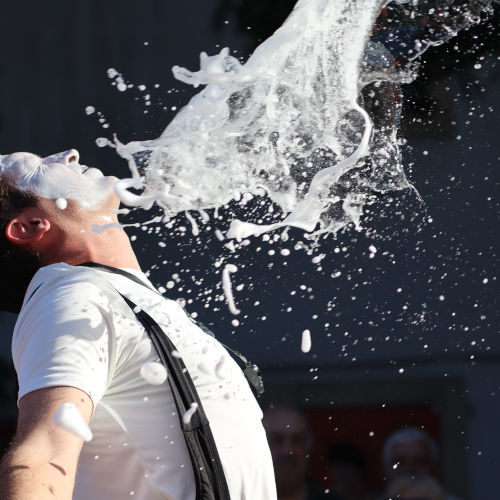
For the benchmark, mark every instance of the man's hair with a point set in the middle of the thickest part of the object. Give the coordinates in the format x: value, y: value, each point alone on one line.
x: 409, y: 434
x: 17, y: 264
x: 12, y: 202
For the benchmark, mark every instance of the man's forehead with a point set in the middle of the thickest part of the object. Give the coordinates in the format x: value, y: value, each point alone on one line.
x: 30, y: 160
x: 18, y: 160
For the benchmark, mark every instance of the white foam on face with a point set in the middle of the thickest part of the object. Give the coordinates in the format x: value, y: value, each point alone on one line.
x: 62, y: 203
x: 226, y: 286
x: 153, y: 373
x: 59, y: 176
x: 186, y: 418
x: 70, y: 419
x: 306, y: 343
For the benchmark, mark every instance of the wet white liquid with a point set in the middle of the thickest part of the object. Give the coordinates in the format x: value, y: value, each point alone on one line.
x: 153, y: 373
x: 69, y: 418
x: 226, y: 286
x: 273, y: 125
x: 289, y: 122
x: 186, y: 418
x: 306, y: 343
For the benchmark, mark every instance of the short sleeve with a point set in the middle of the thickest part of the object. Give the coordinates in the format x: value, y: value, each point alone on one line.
x: 62, y: 338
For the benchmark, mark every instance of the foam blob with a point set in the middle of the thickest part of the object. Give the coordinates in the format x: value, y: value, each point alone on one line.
x: 62, y: 203
x: 70, y: 419
x: 186, y: 418
x: 226, y: 286
x: 153, y: 373
x: 305, y: 344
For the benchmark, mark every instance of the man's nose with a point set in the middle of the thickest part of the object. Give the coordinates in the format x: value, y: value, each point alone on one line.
x: 65, y: 157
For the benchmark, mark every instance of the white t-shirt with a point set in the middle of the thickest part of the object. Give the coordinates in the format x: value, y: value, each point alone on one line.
x: 77, y: 331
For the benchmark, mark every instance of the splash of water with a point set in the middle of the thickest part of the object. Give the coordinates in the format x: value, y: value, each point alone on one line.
x: 310, y: 119
x: 68, y: 417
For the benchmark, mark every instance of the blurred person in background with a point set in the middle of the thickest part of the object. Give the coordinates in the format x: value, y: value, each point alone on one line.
x: 290, y: 440
x: 411, y: 451
x: 347, y: 472
x: 415, y: 488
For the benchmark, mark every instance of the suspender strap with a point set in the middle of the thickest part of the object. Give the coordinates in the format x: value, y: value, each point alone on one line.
x: 207, y: 467
x: 209, y: 475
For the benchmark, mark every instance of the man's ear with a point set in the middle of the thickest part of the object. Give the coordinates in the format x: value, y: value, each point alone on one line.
x: 25, y: 229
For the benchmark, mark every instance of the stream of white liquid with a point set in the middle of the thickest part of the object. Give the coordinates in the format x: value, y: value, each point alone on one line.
x: 276, y: 124
x: 290, y: 122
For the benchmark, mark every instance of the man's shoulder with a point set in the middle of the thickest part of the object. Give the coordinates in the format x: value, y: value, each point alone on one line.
x: 60, y: 281
x: 58, y: 272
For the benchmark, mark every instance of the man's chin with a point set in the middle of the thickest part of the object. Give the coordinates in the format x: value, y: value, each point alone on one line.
x: 101, y: 195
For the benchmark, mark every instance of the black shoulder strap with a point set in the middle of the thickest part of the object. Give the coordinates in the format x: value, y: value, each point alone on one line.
x: 116, y: 270
x: 207, y: 467
x: 209, y: 475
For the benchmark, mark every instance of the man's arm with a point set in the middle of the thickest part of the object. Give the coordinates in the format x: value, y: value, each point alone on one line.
x: 41, y: 463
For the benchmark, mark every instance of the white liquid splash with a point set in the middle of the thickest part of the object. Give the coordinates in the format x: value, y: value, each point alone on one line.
x: 272, y: 125
x: 290, y: 122
x: 59, y: 177
x: 226, y: 286
x: 306, y: 343
x: 186, y: 418
x: 153, y: 373
x: 70, y: 419
x: 62, y: 203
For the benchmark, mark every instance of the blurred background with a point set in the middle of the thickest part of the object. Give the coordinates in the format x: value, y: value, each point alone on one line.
x: 405, y: 338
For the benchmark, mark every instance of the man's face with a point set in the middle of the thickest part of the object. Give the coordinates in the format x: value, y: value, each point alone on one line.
x: 288, y: 440
x: 410, y: 458
x: 58, y: 176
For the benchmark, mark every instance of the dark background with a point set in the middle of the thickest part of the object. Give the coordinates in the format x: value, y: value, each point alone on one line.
x: 413, y: 329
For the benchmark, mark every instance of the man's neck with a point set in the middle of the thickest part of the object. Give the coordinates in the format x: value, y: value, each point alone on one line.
x: 110, y: 247
x: 112, y: 250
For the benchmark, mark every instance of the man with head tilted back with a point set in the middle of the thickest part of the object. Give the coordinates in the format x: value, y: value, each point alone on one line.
x: 78, y: 343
